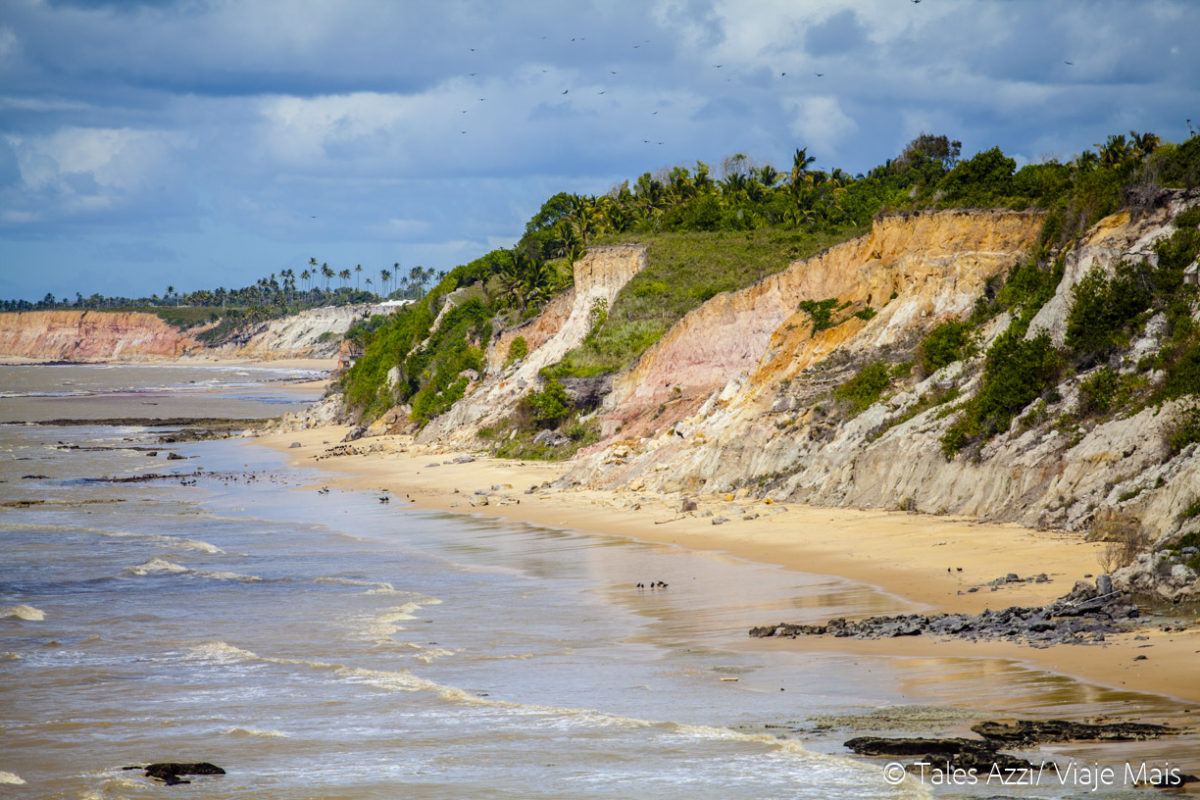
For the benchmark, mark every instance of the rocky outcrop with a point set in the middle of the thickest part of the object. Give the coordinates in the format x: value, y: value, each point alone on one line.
x: 1082, y: 616
x: 598, y: 277
x: 90, y: 336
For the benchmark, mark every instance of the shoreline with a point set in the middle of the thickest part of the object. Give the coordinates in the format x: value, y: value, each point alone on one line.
x: 929, y: 561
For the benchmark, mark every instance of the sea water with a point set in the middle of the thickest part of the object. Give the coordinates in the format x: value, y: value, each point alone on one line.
x: 323, y: 644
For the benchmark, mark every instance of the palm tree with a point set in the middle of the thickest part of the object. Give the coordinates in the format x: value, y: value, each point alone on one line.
x: 328, y: 273
x: 800, y: 161
x: 344, y: 276
x: 385, y: 275
x: 357, y: 275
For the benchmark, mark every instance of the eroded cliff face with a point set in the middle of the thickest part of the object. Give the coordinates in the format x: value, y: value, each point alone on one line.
x: 90, y: 336
x: 132, y: 336
x: 754, y: 383
x: 913, y: 271
x: 560, y: 327
x: 313, y: 333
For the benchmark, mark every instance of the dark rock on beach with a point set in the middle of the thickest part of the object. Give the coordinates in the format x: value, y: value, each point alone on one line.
x: 1026, y: 733
x: 1082, y: 616
x: 985, y: 754
x: 169, y: 772
x: 976, y: 754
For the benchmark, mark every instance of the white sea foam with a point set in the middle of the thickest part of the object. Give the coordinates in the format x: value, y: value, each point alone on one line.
x: 28, y: 613
x: 11, y: 778
x: 174, y: 542
x: 835, y: 769
x: 256, y: 732
x: 228, y: 576
x: 375, y: 587
x: 157, y: 565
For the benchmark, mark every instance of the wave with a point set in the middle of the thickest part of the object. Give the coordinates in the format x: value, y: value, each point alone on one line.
x: 28, y: 613
x: 375, y: 587
x: 11, y: 779
x: 157, y: 565
x: 818, y: 768
x: 380, y: 628
x: 245, y: 733
x: 175, y: 542
x: 161, y: 566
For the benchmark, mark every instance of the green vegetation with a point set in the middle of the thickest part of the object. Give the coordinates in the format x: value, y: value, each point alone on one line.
x: 1104, y: 311
x: 1098, y: 392
x: 1186, y: 430
x: 945, y: 344
x: 709, y: 231
x: 682, y: 271
x: 820, y: 311
x: 1016, y: 372
x: 865, y: 388
x: 549, y: 406
x: 518, y: 349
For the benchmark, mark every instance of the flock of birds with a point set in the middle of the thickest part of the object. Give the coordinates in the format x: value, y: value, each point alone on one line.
x: 567, y: 91
x: 564, y: 92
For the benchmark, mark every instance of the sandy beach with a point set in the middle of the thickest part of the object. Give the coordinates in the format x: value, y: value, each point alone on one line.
x: 928, y: 560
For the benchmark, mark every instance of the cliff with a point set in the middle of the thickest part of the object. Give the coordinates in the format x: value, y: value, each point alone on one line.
x: 90, y: 336
x: 561, y: 326
x: 84, y: 336
x: 753, y: 404
x: 739, y: 394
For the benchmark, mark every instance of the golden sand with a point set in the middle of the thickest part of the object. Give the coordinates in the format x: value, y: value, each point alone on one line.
x: 927, y: 559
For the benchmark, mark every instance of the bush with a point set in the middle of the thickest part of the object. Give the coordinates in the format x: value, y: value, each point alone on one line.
x: 979, y: 181
x: 517, y: 350
x: 865, y: 388
x: 820, y: 311
x: 945, y: 344
x: 1016, y: 371
x: 1104, y: 310
x: 1097, y: 392
x: 1185, y: 431
x: 550, y: 406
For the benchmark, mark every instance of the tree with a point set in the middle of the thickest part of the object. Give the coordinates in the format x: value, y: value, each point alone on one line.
x: 328, y: 273
x: 385, y: 275
x: 344, y: 276
x: 357, y: 275
x: 800, y: 161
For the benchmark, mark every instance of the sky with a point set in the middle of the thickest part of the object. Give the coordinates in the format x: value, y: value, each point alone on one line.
x: 205, y: 143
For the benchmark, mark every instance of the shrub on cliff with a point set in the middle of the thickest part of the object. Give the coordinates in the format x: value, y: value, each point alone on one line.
x: 865, y: 388
x: 1016, y: 372
x: 945, y: 344
x: 1104, y: 310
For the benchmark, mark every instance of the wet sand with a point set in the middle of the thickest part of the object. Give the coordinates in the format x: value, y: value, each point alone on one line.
x: 932, y: 561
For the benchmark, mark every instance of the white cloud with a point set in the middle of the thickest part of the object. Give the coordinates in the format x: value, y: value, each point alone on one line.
x: 821, y: 124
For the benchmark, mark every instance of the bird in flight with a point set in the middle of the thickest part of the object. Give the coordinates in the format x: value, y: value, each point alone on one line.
x: 1069, y: 63
x: 820, y: 74
x: 566, y: 90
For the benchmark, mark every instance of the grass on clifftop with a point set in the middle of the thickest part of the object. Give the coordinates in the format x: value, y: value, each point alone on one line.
x: 684, y: 269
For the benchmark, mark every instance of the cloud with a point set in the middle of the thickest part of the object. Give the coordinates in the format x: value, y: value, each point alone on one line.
x: 840, y: 34
x: 242, y: 134
x: 821, y: 124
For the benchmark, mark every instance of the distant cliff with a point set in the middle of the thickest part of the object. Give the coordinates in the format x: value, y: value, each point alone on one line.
x: 92, y: 336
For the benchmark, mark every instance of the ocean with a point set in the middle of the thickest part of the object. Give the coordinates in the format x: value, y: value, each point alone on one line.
x: 204, y: 601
